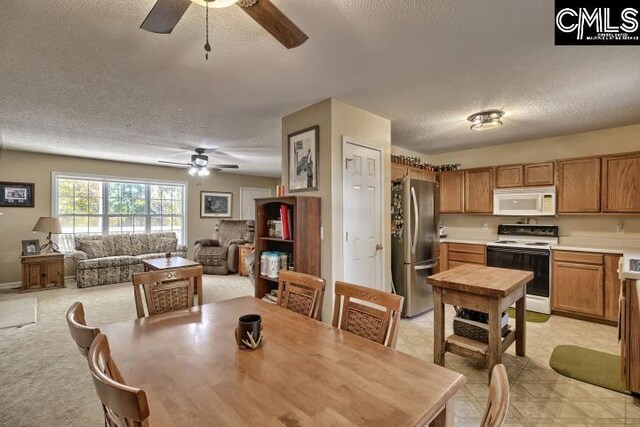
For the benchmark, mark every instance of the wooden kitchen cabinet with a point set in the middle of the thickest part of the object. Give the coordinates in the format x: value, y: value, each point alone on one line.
x: 611, y: 287
x: 509, y: 176
x: 578, y: 288
x: 403, y: 171
x: 455, y: 254
x: 578, y: 187
x: 539, y: 174
x: 630, y: 336
x: 478, y: 190
x: 621, y: 183
x: 452, y: 192
x: 42, y: 272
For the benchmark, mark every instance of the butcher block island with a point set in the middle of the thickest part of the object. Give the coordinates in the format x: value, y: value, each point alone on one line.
x: 488, y: 290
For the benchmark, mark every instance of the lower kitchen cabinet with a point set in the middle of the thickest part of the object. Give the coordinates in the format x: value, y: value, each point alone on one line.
x: 585, y: 285
x: 455, y: 254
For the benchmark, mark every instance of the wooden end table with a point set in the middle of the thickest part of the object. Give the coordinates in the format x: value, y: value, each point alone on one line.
x: 40, y: 272
x: 155, y: 264
x: 486, y: 289
x: 243, y: 252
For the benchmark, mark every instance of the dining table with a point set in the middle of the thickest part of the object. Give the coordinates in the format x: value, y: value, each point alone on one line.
x: 488, y: 290
x: 305, y: 372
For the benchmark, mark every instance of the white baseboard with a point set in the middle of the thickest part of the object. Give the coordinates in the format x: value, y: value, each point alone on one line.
x: 10, y: 285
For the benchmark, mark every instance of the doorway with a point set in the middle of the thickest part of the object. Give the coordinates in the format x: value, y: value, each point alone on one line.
x: 362, y: 214
x: 247, y: 201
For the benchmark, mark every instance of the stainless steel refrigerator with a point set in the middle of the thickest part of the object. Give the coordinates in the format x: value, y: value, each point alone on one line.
x: 414, y: 241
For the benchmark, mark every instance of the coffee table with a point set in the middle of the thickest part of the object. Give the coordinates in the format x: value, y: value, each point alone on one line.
x: 156, y: 264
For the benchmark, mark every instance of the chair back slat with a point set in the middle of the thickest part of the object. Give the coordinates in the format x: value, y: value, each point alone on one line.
x: 302, y: 293
x: 165, y: 290
x: 124, y: 406
x: 498, y: 402
x: 367, y: 320
x: 82, y: 334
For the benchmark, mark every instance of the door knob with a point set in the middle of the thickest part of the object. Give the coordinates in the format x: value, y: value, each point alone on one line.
x: 379, y: 247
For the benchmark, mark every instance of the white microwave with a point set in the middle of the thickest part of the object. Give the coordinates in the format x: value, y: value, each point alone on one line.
x: 539, y: 201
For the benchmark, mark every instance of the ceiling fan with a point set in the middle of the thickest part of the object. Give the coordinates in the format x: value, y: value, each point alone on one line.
x: 199, y: 164
x: 166, y: 14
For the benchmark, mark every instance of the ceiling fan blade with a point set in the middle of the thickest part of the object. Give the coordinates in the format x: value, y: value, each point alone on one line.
x: 165, y: 15
x: 225, y: 166
x: 174, y: 163
x: 276, y: 23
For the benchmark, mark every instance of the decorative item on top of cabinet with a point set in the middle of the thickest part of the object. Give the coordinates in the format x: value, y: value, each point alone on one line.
x: 579, y: 185
x: 621, y: 183
x: 451, y: 192
x: 509, y: 176
x: 478, y: 190
x: 539, y: 174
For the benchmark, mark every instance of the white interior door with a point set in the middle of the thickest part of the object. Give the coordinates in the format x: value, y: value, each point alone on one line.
x: 247, y: 201
x: 362, y: 215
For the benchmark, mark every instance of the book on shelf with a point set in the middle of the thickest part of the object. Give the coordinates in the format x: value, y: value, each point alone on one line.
x: 275, y: 228
x: 284, y: 218
x: 265, y: 299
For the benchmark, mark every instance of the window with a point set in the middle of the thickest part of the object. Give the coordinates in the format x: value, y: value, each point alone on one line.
x: 87, y: 205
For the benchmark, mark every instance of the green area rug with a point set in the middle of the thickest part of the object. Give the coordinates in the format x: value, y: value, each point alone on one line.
x: 590, y: 366
x: 532, y: 316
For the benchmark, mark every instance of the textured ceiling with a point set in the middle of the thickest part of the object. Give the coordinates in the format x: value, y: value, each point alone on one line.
x: 79, y: 78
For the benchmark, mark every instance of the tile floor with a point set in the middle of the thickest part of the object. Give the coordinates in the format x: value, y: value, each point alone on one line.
x: 539, y: 395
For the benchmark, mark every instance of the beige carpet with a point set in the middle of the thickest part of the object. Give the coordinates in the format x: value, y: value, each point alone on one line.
x: 18, y: 311
x: 44, y: 381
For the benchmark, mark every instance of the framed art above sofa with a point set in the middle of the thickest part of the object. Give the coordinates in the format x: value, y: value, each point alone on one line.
x: 16, y: 195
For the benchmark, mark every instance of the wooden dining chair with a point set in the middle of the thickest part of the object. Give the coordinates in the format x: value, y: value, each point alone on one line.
x: 165, y: 290
x: 379, y: 325
x: 124, y: 406
x: 82, y: 334
x: 498, y: 402
x: 301, y: 293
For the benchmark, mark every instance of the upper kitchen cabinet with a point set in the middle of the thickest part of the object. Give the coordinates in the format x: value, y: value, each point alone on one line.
x: 621, y: 183
x: 579, y: 185
x: 509, y: 176
x: 403, y: 171
x: 478, y: 190
x: 452, y: 192
x: 538, y: 174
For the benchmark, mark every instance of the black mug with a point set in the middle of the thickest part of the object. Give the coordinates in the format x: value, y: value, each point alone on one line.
x: 249, y: 331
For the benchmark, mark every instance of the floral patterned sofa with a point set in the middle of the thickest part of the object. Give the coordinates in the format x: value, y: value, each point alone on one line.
x: 102, y: 260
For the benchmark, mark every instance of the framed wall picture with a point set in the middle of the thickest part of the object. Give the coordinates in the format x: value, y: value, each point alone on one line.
x: 215, y: 204
x: 303, y: 159
x: 16, y: 195
x: 30, y: 247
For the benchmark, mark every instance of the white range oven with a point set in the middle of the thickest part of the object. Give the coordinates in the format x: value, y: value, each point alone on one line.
x: 527, y: 247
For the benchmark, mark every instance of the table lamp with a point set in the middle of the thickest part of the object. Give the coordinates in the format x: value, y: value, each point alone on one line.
x: 47, y: 224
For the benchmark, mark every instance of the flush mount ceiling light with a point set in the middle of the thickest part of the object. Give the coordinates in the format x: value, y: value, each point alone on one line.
x: 486, y: 119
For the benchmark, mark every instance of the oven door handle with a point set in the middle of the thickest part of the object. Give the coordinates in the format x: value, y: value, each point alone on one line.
x: 518, y: 251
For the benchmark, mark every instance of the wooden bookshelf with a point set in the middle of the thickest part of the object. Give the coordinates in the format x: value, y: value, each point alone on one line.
x: 305, y: 244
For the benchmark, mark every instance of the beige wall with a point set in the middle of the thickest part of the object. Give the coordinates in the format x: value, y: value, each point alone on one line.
x: 337, y: 119
x: 16, y: 223
x: 608, y: 141
x: 615, y: 140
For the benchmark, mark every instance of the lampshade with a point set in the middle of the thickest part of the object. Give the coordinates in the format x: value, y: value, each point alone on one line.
x: 47, y: 224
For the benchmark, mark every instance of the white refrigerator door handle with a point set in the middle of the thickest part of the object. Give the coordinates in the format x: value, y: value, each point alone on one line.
x: 416, y: 221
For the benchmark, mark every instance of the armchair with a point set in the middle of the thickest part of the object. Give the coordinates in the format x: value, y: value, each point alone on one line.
x: 219, y: 255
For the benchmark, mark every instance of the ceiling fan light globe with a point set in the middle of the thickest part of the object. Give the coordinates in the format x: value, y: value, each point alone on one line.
x: 205, y: 172
x: 193, y: 171
x: 201, y: 162
x: 215, y: 4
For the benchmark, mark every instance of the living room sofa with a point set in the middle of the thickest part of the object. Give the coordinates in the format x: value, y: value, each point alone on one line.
x: 103, y: 260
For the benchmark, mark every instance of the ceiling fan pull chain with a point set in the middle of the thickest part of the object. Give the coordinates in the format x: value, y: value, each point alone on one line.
x: 207, y: 46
